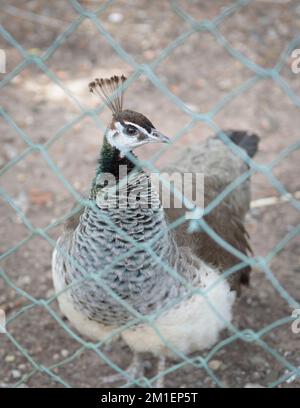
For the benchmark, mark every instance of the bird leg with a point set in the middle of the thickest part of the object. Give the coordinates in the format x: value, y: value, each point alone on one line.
x: 135, y: 370
x: 160, y: 382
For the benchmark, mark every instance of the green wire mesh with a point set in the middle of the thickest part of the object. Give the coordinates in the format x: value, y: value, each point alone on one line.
x: 259, y: 74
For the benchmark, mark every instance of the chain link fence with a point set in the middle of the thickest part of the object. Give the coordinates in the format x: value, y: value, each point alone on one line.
x: 148, y: 69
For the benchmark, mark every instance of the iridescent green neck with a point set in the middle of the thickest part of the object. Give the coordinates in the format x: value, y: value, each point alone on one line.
x: 109, y: 162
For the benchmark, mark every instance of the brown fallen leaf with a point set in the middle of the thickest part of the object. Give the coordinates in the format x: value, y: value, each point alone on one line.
x: 39, y: 197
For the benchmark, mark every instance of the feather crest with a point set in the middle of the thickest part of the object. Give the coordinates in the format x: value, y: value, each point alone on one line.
x: 106, y: 87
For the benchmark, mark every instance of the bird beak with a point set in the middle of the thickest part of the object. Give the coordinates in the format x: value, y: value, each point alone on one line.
x: 158, y: 137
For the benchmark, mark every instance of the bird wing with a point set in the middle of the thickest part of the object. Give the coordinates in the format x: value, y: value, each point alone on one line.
x: 220, y: 167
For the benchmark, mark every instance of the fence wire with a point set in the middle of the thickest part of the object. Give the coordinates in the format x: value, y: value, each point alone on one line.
x: 148, y: 69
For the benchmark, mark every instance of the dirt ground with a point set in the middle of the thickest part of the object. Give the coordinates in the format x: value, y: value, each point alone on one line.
x: 201, y: 73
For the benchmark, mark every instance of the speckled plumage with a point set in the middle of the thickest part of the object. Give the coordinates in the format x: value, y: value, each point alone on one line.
x: 135, y: 278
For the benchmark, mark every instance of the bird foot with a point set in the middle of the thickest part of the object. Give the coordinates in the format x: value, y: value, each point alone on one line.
x: 130, y: 375
x: 159, y: 383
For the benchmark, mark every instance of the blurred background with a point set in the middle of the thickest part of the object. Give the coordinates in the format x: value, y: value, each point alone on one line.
x: 53, y: 49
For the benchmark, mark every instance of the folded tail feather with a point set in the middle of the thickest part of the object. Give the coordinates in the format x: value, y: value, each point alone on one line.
x: 245, y: 140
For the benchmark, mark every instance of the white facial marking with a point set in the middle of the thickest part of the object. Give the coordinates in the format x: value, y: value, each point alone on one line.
x: 140, y: 128
x: 118, y: 138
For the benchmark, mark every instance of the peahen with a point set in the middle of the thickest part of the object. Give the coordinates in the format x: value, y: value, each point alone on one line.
x: 115, y: 263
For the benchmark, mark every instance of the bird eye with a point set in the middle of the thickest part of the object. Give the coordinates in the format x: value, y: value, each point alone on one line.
x: 131, y: 130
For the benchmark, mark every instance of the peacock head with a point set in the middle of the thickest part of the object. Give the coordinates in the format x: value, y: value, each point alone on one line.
x: 128, y: 129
